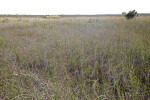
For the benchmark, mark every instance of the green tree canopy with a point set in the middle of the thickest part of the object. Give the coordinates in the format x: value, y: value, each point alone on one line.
x: 130, y: 14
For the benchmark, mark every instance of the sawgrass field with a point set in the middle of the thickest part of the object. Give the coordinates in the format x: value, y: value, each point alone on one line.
x: 75, y: 58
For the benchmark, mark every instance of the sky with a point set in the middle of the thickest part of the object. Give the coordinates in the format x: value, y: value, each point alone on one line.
x: 52, y: 7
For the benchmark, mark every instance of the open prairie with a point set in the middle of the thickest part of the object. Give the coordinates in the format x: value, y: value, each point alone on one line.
x: 75, y: 58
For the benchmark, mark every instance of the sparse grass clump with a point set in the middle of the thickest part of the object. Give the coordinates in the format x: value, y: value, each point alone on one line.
x: 70, y: 59
x: 55, y: 17
x: 4, y: 20
x: 52, y: 16
x: 0, y: 18
x: 1, y: 41
x: 46, y: 16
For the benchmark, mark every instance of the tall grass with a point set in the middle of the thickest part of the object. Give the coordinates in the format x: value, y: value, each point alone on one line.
x: 72, y: 58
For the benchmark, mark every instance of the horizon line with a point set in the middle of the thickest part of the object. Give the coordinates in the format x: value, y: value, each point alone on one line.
x: 67, y: 14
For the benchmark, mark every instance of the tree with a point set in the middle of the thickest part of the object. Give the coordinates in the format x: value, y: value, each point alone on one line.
x: 130, y: 14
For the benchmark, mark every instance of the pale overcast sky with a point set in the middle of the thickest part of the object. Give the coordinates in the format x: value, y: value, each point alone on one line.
x: 73, y: 6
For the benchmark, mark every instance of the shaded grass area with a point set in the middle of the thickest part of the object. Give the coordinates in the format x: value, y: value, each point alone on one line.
x: 75, y: 58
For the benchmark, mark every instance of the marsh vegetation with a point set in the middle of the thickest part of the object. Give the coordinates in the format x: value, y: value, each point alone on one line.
x: 71, y: 58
